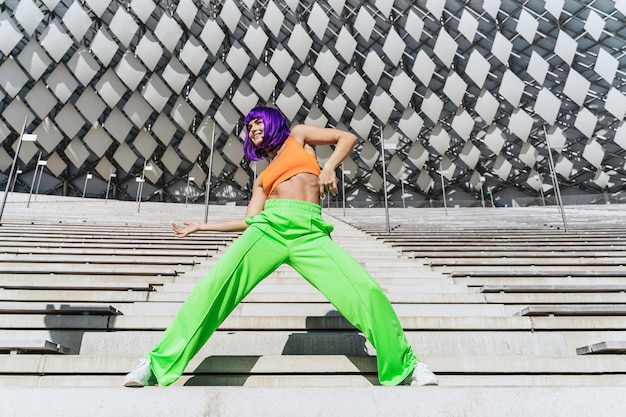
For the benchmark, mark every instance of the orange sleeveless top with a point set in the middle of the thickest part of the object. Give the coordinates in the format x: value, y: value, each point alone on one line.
x: 293, y: 160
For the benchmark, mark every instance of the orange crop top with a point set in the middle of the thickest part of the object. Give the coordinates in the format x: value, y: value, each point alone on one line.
x: 294, y: 159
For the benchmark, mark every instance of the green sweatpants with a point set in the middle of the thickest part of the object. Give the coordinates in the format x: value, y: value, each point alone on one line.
x: 288, y: 232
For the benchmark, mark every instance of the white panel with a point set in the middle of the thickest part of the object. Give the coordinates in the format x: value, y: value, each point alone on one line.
x: 77, y: 20
x: 316, y: 117
x: 55, y: 41
x: 182, y: 113
x: 318, y: 21
x: 394, y: 46
x: 168, y: 32
x: 494, y: 139
x: 130, y: 70
x: 149, y: 50
x: 501, y: 48
x: 15, y: 113
x: 555, y: 7
x: 238, y: 59
x: 463, y: 124
x: 527, y: 26
x: 594, y: 153
x: 326, y: 64
x: 142, y: 8
x: 10, y: 35
x: 364, y: 23
x: 565, y: 47
x: 90, y: 105
x: 123, y: 26
x: 616, y: 103
x: 418, y: 155
x: 511, y: 88
x: 477, y: 68
x: 528, y: 154
x: 273, y: 18
x: 375, y: 181
x: 48, y: 136
x: 163, y: 129
x: 606, y: 66
x: 231, y: 15
x: 557, y: 138
x: 156, y: 93
x: 193, y: 55
x: 83, y: 65
x: 520, y: 124
x: 110, y: 88
x: 576, y: 87
x: 190, y: 148
x: 212, y: 36
x: 620, y: 135
x: 98, y: 141
x: 103, y: 46
x: 361, y: 122
x: 369, y: 154
x: 423, y: 67
x: 468, y: 25
x: 226, y: 116
x: 98, y: 6
x: 76, y: 152
x: 241, y: 177
x: 308, y: 84
x: 56, y: 165
x: 289, y: 101
x: 424, y: 181
x: 455, y: 88
x: 281, y: 62
x: 439, y: 139
x: 137, y: 109
x: 187, y: 11
x: 118, y: 125
x: 233, y: 150
x: 345, y: 44
x: 410, y: 123
x: 175, y: 75
x: 354, y: 86
x: 414, y: 25
x: 382, y: 105
x: 492, y: 7
x: 502, y: 168
x: 145, y: 144
x: 244, y: 98
x: 402, y: 87
x: 396, y: 167
x: 41, y: 100
x: 537, y: 67
x: 435, y: 7
x: 334, y: 103
x: 201, y: 96
x: 445, y: 47
x: 29, y: 15
x: 470, y: 155
x: 256, y: 40
x: 594, y: 25
x: 486, y: 106
x: 602, y: 179
x: 170, y: 160
x: 564, y: 167
x: 12, y: 79
x: 300, y: 42
x: 69, y: 120
x: 586, y: 122
x: 432, y: 106
x: 219, y: 79
x: 547, y: 105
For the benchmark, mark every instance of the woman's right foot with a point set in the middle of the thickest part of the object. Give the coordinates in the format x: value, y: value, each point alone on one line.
x: 141, y: 375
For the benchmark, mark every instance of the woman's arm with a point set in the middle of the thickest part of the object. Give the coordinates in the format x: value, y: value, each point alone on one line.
x: 344, y: 143
x: 257, y: 201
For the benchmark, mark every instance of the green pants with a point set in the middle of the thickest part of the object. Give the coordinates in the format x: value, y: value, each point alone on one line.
x: 286, y: 232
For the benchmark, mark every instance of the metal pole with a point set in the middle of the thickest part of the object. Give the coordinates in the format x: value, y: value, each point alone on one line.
x: 343, y: 189
x: 32, y: 184
x: 87, y: 178
x: 42, y: 163
x: 187, y: 190
x: 443, y: 191
x: 403, y: 196
x: 111, y: 175
x: 141, y: 180
x: 17, y: 173
x: 208, y: 181
x: 382, y: 152
x: 555, y: 181
x: 17, y: 151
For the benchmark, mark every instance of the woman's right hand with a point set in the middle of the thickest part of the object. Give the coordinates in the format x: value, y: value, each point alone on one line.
x: 189, y: 228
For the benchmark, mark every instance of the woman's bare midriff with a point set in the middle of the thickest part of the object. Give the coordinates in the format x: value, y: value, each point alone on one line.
x: 303, y: 186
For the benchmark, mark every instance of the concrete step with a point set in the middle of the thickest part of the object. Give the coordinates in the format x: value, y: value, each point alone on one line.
x: 511, y: 401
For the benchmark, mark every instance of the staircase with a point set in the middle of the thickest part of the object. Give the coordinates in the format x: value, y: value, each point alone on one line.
x: 500, y: 303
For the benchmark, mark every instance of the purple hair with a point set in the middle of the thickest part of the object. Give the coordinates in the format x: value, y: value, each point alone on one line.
x: 275, y: 132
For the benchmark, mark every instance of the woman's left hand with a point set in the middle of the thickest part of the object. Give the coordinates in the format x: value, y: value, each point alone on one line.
x: 328, y: 182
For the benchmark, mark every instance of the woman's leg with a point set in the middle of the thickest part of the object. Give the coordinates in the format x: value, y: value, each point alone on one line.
x: 250, y: 258
x: 359, y: 298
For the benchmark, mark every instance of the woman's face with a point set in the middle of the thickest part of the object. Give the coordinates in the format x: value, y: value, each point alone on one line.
x: 255, y: 131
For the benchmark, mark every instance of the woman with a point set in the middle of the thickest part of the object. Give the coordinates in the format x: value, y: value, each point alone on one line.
x: 283, y: 225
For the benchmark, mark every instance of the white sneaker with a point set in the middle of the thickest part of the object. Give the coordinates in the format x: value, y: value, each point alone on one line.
x: 141, y: 375
x: 422, y: 376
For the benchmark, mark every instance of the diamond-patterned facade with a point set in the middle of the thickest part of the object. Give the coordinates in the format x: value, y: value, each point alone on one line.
x: 469, y: 85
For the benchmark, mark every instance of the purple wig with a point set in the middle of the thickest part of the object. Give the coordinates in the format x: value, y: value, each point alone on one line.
x: 275, y: 132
